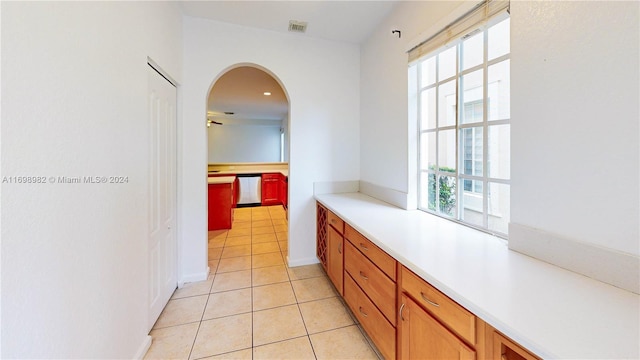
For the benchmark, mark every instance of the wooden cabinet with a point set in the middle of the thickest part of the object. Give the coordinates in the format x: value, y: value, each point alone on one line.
x: 220, y: 200
x: 405, y: 316
x: 454, y: 316
x: 321, y: 234
x: 433, y: 326
x: 335, y: 263
x: 373, y: 282
x: 423, y: 337
x: 372, y: 320
x: 377, y: 256
x: 335, y: 251
x: 270, y: 187
x: 370, y: 288
x: 499, y: 347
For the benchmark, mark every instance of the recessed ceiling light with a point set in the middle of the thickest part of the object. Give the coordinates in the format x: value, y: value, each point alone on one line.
x: 266, y: 93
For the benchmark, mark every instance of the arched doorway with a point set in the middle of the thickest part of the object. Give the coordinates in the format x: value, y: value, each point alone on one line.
x: 248, y: 138
x: 247, y: 114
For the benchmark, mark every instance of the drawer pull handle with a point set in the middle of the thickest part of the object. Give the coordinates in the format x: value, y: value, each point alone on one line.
x: 362, y: 312
x: 333, y: 221
x: 363, y: 276
x: 340, y: 248
x: 401, y: 308
x: 424, y: 297
x: 364, y: 247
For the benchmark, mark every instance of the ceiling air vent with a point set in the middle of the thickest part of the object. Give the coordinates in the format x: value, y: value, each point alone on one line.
x: 297, y: 26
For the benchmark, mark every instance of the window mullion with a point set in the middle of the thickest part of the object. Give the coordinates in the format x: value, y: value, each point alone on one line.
x: 436, y: 170
x: 485, y: 132
x: 458, y: 192
x: 418, y: 114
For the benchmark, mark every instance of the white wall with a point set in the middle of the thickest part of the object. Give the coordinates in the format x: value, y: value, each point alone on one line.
x: 384, y: 134
x: 74, y: 103
x: 321, y: 79
x: 575, y: 129
x: 244, y: 143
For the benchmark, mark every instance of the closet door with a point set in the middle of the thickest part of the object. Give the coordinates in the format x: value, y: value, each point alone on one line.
x: 162, y: 193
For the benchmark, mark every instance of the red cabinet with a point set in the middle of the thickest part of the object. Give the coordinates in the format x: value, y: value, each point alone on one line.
x: 270, y: 189
x: 284, y: 189
x: 274, y: 189
x: 236, y: 193
x: 220, y: 199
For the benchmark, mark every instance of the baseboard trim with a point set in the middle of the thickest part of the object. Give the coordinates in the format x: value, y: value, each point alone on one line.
x: 302, y: 262
x: 193, y: 278
x: 612, y: 267
x: 144, y: 347
x: 335, y: 187
x: 393, y: 197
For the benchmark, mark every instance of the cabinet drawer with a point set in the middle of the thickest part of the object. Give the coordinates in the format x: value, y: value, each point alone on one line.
x: 336, y: 222
x: 380, y: 258
x: 452, y: 315
x: 374, y: 323
x: 376, y: 285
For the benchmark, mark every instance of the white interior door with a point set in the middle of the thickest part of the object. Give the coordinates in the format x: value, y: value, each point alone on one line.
x: 162, y: 193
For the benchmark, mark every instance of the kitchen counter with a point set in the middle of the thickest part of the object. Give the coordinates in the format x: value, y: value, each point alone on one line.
x: 554, y: 313
x: 248, y: 168
x: 221, y: 179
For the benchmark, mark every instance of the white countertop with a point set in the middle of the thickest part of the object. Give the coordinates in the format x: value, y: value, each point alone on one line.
x: 554, y: 313
x: 221, y: 179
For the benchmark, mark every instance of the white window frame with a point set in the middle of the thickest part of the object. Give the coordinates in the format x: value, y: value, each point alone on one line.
x: 460, y: 177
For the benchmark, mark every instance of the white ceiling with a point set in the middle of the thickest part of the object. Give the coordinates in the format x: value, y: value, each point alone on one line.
x: 241, y: 90
x: 348, y: 21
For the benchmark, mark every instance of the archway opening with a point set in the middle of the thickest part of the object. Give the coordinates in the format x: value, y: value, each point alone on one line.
x: 248, y: 140
x: 247, y: 117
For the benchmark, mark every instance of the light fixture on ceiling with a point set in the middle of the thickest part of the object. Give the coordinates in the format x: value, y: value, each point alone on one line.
x: 209, y: 122
x: 266, y: 93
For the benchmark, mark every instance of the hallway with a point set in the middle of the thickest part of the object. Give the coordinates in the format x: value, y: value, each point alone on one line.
x: 253, y: 306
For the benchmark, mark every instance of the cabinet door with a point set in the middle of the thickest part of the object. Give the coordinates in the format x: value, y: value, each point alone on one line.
x: 283, y: 190
x: 422, y: 337
x: 335, y: 268
x: 236, y: 192
x: 269, y: 189
x: 220, y: 199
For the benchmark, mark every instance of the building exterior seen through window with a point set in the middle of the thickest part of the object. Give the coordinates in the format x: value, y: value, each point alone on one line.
x: 463, y: 112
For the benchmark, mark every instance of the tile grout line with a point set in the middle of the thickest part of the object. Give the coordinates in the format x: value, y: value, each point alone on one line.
x: 252, y: 297
x: 204, y: 310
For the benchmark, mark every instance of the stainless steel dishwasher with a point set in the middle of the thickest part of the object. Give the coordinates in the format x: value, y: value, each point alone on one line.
x: 250, y: 192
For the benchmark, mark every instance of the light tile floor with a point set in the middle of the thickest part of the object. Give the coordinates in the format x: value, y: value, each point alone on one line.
x: 253, y: 306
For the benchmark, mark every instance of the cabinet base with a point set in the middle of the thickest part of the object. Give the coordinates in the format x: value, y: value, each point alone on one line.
x: 248, y: 205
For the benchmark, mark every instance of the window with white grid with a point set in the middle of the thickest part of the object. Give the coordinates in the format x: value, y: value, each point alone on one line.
x: 463, y: 110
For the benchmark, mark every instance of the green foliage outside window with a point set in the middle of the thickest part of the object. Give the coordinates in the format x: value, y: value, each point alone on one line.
x: 447, y: 198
